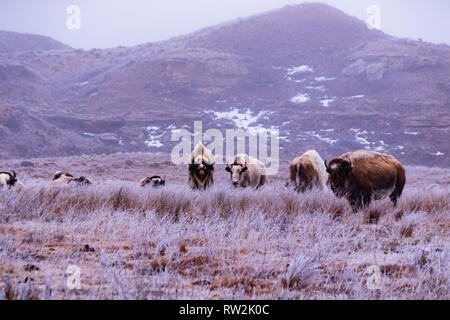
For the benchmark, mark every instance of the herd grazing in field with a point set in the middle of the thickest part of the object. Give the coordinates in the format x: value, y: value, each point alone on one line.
x: 360, y: 176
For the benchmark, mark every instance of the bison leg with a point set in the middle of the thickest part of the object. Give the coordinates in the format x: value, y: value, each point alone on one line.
x: 355, y: 203
x: 366, y: 200
x: 359, y: 202
x: 394, y: 197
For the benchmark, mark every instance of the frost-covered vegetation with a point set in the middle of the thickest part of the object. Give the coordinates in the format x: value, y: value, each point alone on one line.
x: 174, y: 243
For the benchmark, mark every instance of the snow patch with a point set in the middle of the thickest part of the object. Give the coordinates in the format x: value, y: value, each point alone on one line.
x: 241, y: 119
x: 153, y: 137
x: 321, y: 138
x: 437, y: 154
x: 381, y: 147
x: 326, y: 102
x: 300, y: 98
x: 300, y: 69
x: 317, y: 88
x: 323, y: 78
x: 356, y: 97
x: 361, y: 136
x: 411, y: 133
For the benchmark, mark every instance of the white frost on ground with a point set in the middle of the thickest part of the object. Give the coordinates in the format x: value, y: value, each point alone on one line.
x: 437, y: 154
x: 153, y: 137
x: 356, y: 97
x: 300, y: 98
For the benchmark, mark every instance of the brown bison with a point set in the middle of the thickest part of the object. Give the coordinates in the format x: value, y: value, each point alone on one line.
x: 363, y: 175
x: 201, y: 168
x: 61, y: 178
x: 154, y: 181
x: 247, y: 172
x: 307, y: 171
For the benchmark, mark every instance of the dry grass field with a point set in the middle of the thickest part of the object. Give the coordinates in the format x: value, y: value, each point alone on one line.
x: 223, y: 243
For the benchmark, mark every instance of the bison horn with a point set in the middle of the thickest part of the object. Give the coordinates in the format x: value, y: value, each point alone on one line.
x: 348, y: 166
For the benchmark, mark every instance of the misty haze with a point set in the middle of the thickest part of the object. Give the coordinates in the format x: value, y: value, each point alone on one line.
x: 134, y: 149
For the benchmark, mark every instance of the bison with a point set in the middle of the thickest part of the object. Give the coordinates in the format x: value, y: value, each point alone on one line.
x: 201, y: 168
x: 246, y: 171
x: 154, y: 181
x: 363, y: 175
x: 62, y: 178
x: 307, y: 171
x: 9, y: 180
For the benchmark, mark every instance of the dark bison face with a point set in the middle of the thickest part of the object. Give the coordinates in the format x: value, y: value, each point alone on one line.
x: 12, y: 178
x: 339, y: 171
x: 157, y: 181
x: 202, y: 169
x: 83, y: 181
x: 236, y: 171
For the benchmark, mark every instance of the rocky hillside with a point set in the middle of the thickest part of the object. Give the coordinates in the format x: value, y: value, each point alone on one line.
x: 318, y: 75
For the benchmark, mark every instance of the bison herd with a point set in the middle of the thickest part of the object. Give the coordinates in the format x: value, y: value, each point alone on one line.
x: 360, y: 176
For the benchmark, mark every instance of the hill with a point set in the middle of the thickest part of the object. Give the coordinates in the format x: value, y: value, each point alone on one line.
x: 318, y: 75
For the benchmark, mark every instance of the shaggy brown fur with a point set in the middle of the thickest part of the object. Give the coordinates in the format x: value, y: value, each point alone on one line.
x: 307, y: 172
x: 304, y: 169
x: 362, y: 175
x: 65, y: 180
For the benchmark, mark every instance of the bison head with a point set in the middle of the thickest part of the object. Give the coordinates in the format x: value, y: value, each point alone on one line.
x: 82, y: 181
x: 201, y: 169
x: 339, y: 171
x: 12, y: 178
x: 157, y: 181
x: 236, y: 171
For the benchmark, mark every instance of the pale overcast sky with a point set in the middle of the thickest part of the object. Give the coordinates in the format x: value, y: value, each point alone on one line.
x: 112, y: 23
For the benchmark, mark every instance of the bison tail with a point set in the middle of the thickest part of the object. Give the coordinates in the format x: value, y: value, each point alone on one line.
x: 399, y: 184
x: 401, y: 180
